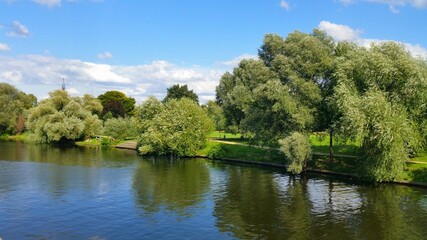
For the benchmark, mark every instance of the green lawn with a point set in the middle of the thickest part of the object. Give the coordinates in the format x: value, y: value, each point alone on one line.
x: 320, y: 143
x: 421, y: 157
x: 223, y: 150
x: 224, y: 135
x: 104, y: 141
x: 413, y: 172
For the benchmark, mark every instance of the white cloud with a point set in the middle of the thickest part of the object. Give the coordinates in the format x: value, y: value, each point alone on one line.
x: 49, y: 3
x: 392, y: 4
x: 11, y: 77
x: 102, y: 73
x: 346, y: 33
x: 18, y: 30
x: 235, y: 61
x: 4, y: 47
x: 339, y: 32
x: 39, y: 74
x: 284, y: 4
x: 73, y: 91
x: 105, y: 55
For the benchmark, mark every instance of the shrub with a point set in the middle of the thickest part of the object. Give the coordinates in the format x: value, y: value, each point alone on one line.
x: 120, y: 128
x: 297, y: 149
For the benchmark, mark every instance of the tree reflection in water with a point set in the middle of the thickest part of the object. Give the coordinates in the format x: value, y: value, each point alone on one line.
x: 173, y: 185
x: 259, y: 204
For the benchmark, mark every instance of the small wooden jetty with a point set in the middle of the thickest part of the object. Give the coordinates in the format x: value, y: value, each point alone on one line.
x: 127, y: 145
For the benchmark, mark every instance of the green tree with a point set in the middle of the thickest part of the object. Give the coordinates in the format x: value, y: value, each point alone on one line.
x: 117, y: 103
x: 270, y: 98
x: 233, y: 115
x: 147, y: 111
x: 180, y: 129
x: 92, y: 104
x: 216, y: 113
x: 177, y: 92
x: 381, y: 94
x: 14, y: 105
x: 121, y: 128
x: 297, y: 149
x: 61, y: 118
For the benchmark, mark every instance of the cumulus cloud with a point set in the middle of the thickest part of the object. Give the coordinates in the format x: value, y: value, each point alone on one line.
x: 235, y: 61
x: 105, y: 55
x: 39, y: 74
x: 4, y: 47
x: 11, y: 76
x: 18, y: 30
x: 346, y: 33
x: 284, y: 4
x: 392, y: 4
x: 49, y: 3
x: 339, y: 32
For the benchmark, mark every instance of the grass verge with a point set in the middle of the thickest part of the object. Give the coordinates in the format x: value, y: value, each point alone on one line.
x: 100, y: 141
x: 224, y: 150
x: 320, y: 143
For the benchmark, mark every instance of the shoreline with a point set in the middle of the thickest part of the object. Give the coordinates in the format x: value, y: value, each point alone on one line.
x: 311, y: 170
x: 257, y: 163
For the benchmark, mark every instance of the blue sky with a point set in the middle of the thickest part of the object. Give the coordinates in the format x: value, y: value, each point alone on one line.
x: 143, y: 47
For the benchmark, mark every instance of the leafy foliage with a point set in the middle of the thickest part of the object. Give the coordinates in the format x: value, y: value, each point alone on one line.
x: 178, y: 92
x: 117, y: 103
x: 61, y: 118
x: 177, y: 127
x: 121, y: 128
x: 270, y: 98
x: 14, y: 105
x: 297, y: 149
x: 381, y: 94
x: 216, y: 113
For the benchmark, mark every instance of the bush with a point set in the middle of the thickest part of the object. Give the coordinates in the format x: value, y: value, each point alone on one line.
x: 180, y: 128
x: 297, y: 149
x: 217, y: 151
x: 120, y: 128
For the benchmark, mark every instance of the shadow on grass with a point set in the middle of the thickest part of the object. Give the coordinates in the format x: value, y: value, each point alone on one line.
x: 419, y: 175
x: 340, y: 164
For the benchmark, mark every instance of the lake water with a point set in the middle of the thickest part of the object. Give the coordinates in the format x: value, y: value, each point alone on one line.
x: 51, y: 192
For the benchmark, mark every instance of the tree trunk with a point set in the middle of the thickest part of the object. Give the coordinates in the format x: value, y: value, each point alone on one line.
x: 331, y: 149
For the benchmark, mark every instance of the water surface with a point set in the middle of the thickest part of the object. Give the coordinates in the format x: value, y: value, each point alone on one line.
x: 51, y: 192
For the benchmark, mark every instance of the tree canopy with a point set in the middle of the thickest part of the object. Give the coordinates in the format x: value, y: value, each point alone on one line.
x: 270, y: 98
x: 180, y: 91
x: 14, y: 105
x: 382, y: 95
x: 177, y: 127
x: 307, y: 82
x: 62, y: 118
x: 117, y: 103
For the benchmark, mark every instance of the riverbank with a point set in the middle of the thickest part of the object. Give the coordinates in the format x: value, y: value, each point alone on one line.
x: 343, y: 165
x: 234, y: 150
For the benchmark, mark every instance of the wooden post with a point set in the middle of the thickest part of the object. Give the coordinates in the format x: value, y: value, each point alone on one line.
x: 331, y: 149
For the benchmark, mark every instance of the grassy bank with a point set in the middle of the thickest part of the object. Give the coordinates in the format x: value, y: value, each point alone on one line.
x: 413, y: 171
x: 320, y: 143
x: 225, y: 150
x: 100, y: 141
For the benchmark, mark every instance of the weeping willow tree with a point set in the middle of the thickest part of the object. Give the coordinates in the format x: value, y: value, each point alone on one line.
x: 270, y: 98
x: 297, y: 149
x: 381, y: 93
x: 63, y: 118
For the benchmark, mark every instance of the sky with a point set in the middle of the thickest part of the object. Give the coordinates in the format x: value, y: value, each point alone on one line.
x: 143, y: 47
